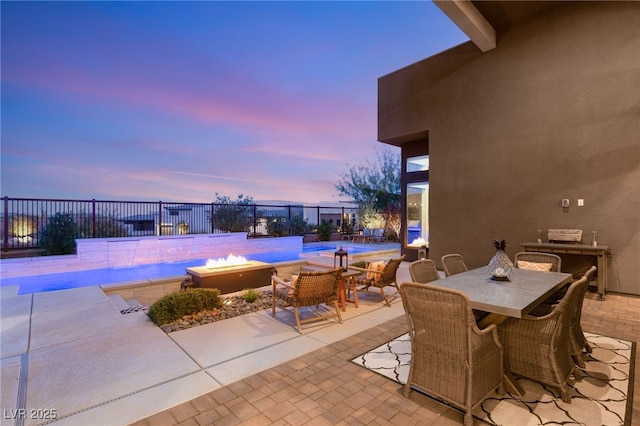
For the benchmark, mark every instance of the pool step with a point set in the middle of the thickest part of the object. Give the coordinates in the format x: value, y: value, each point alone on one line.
x: 128, y: 306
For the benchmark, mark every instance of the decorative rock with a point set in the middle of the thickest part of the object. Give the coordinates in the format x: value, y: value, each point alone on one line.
x: 232, y: 306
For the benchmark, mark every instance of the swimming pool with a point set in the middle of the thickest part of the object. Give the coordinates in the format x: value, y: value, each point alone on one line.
x: 93, y: 277
x: 313, y: 248
x: 331, y: 248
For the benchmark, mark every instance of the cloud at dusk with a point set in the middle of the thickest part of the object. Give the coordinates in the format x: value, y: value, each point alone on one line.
x: 178, y: 101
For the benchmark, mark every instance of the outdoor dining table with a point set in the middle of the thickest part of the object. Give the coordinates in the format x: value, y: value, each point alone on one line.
x: 514, y: 298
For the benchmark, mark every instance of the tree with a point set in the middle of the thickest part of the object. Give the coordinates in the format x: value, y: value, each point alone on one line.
x: 370, y: 217
x: 393, y: 219
x: 375, y: 187
x: 372, y: 183
x: 233, y: 215
x: 107, y: 224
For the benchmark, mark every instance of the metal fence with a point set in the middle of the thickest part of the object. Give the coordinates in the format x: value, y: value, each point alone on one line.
x: 25, y: 220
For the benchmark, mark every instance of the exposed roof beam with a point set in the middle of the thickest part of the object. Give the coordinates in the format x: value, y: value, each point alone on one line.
x: 470, y: 21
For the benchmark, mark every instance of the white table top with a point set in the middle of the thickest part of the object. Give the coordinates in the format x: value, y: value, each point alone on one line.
x: 515, y: 298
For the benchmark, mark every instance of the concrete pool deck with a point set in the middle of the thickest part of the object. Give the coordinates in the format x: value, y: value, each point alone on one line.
x: 73, y: 354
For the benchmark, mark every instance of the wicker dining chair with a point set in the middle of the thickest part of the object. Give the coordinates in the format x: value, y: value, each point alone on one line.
x: 540, y: 347
x: 453, y: 264
x: 451, y: 358
x: 423, y: 271
x: 310, y: 288
x: 538, y: 261
x: 379, y: 279
x: 579, y: 343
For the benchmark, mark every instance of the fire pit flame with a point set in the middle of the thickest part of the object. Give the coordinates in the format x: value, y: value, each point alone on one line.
x: 230, y: 260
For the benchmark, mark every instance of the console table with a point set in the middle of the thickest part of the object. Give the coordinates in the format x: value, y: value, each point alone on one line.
x: 599, y: 252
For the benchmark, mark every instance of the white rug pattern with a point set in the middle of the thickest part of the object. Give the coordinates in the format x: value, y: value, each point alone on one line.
x: 599, y: 399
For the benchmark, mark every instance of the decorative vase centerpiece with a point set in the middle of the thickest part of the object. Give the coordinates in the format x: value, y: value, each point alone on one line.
x: 500, y: 266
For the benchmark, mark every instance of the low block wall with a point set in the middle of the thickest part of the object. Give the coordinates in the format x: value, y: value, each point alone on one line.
x: 145, y: 292
x: 100, y: 253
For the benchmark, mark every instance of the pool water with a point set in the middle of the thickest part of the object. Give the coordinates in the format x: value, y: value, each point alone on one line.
x: 307, y: 249
x: 332, y: 248
x: 87, y: 278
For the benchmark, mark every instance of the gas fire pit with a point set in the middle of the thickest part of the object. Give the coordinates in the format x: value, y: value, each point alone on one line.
x: 232, y: 274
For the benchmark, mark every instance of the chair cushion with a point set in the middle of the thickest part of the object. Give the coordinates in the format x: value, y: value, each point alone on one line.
x: 374, y: 269
x: 535, y: 266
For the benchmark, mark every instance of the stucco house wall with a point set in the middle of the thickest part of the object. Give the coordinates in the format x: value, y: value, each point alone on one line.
x: 552, y: 112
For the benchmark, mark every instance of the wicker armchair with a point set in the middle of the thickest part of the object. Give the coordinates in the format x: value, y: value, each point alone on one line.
x: 535, y: 257
x: 310, y: 288
x: 451, y: 358
x: 540, y: 348
x: 384, y: 278
x: 453, y: 264
x: 423, y: 271
x: 578, y: 341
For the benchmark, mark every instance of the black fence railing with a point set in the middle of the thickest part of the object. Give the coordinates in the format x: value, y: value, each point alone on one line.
x: 25, y: 219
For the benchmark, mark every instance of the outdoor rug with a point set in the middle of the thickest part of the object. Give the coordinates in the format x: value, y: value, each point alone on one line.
x: 603, y: 397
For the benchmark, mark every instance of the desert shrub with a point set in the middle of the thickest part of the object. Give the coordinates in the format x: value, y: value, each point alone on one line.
x: 188, y: 302
x: 392, y: 237
x: 347, y: 227
x: 324, y: 231
x: 59, y: 235
x: 278, y: 226
x: 250, y: 295
x: 298, y: 225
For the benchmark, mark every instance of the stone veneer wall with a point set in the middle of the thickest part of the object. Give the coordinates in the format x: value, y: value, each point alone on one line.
x: 99, y: 253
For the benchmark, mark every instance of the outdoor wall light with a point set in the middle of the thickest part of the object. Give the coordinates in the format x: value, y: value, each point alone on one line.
x: 422, y: 252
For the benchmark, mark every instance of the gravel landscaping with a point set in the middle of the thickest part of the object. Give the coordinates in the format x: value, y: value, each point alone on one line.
x: 233, y: 305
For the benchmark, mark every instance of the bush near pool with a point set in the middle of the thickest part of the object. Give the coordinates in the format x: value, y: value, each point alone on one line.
x: 186, y: 302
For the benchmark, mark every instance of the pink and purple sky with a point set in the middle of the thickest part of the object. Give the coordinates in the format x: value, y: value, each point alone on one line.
x: 177, y: 101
